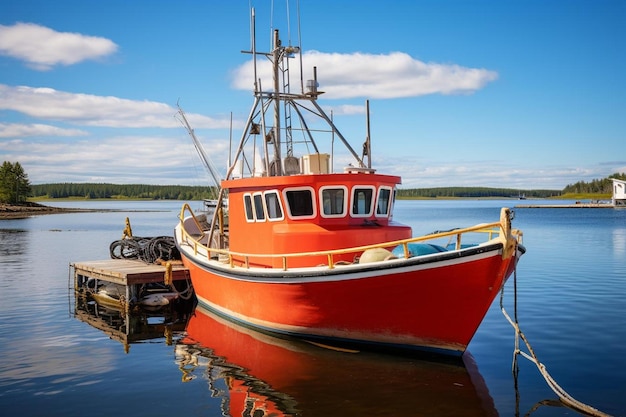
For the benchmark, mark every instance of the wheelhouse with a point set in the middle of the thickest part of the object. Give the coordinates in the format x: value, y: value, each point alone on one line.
x: 308, y: 213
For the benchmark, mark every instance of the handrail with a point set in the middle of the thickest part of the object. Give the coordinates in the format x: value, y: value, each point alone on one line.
x: 489, y: 228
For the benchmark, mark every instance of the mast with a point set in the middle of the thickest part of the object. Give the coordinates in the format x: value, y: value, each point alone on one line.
x: 299, y: 107
x: 277, y: 52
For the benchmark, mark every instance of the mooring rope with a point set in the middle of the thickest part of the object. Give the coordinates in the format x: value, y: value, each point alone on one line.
x: 531, y: 356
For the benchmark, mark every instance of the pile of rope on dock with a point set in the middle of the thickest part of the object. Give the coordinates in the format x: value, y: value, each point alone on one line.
x: 148, y: 249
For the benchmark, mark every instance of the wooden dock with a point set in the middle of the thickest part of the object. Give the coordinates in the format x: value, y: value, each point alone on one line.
x: 128, y: 273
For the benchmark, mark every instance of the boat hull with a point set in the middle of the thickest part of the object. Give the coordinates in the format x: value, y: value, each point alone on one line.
x: 432, y: 303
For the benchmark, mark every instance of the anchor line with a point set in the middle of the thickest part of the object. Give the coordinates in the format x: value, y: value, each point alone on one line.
x: 566, y: 398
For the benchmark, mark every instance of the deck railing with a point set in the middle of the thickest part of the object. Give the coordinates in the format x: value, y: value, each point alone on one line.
x: 501, y: 229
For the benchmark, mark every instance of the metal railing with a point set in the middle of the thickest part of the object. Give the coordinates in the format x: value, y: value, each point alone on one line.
x: 501, y: 229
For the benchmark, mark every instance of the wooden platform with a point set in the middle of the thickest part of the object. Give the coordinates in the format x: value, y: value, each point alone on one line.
x: 126, y: 271
x: 129, y: 273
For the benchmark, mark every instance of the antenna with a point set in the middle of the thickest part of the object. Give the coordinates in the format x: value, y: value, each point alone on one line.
x: 253, y: 42
x: 288, y: 23
x: 300, y: 47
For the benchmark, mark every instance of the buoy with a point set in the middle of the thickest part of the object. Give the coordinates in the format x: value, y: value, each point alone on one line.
x: 376, y: 255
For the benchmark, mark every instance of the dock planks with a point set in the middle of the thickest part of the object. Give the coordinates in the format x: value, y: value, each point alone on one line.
x: 127, y: 271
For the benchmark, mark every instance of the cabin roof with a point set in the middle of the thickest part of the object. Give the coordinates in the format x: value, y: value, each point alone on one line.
x: 308, y: 179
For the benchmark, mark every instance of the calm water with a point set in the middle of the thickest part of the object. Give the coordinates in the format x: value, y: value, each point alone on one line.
x: 571, y: 286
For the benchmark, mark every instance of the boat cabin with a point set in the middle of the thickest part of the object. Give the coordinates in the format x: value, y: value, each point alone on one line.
x: 310, y: 213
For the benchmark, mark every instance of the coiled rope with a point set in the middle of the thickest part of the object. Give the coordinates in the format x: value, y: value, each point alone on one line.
x: 149, y: 250
x: 160, y: 249
x: 531, y: 356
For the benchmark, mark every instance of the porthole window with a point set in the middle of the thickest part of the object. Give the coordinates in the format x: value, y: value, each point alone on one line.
x: 334, y: 201
x: 362, y: 201
x: 300, y: 202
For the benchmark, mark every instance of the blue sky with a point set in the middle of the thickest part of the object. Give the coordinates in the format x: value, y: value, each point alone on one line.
x: 517, y: 94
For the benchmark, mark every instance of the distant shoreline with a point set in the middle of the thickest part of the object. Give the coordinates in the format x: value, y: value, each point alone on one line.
x: 29, y: 209
x: 20, y: 211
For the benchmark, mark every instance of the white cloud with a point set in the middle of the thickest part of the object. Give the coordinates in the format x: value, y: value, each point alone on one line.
x: 119, y: 159
x: 392, y: 75
x: 16, y: 130
x: 42, y: 48
x: 346, y: 109
x: 92, y: 110
x: 516, y: 174
x: 172, y: 159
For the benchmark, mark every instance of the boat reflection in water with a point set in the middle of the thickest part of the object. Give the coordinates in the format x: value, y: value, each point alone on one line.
x: 256, y: 374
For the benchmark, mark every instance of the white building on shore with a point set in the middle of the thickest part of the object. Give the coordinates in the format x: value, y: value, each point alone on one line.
x: 619, y: 192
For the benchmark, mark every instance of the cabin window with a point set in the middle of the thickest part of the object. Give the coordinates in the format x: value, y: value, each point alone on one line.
x: 334, y: 202
x: 362, y: 199
x: 300, y: 202
x: 383, y: 202
x: 247, y: 202
x: 393, y: 202
x: 258, y: 207
x: 272, y: 204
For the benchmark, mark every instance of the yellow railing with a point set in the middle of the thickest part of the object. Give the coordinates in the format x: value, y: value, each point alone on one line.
x: 501, y: 228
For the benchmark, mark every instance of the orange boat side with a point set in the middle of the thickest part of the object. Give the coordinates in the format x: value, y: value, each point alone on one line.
x: 436, y: 306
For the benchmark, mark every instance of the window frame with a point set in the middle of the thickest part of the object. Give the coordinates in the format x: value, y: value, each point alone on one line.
x: 389, y: 201
x: 346, y: 193
x: 372, y: 201
x: 285, y: 191
x: 279, y: 204
x: 248, y: 203
x: 259, y: 195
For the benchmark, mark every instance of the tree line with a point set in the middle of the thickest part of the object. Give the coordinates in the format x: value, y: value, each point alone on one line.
x: 183, y: 192
x: 598, y: 186
x: 130, y: 191
x: 475, y: 192
x: 16, y: 188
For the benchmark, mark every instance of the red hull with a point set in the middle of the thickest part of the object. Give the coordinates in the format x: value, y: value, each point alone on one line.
x: 433, y: 306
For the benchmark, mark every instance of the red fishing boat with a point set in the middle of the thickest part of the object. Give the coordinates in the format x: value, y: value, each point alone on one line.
x: 295, y: 248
